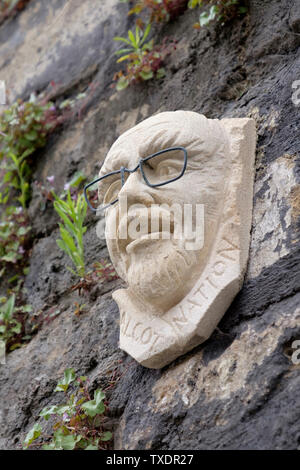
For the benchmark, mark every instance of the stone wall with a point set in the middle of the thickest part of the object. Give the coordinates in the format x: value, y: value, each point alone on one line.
x: 240, y: 389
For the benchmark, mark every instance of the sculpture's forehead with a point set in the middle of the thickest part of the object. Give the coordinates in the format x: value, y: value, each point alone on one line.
x: 168, y: 129
x: 138, y: 142
x: 123, y: 153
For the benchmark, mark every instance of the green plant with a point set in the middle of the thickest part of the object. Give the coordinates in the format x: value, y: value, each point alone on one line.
x: 74, y: 185
x: 72, y: 212
x: 14, y: 235
x: 23, y: 129
x: 72, y: 103
x: 102, y: 271
x: 79, y: 308
x: 160, y: 11
x: 144, y: 59
x: 47, y: 189
x: 70, y: 107
x: 24, y: 126
x: 16, y: 176
x: 136, y: 42
x: 11, y: 328
x: 79, y: 422
x: 220, y: 10
x: 9, y: 7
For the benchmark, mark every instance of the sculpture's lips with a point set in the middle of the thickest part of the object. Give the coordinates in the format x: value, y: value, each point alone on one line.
x: 147, y: 239
x: 147, y: 224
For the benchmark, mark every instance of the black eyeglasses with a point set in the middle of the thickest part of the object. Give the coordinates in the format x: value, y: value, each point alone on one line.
x: 158, y: 169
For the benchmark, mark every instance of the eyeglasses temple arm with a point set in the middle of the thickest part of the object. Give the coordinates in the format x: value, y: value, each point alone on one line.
x: 85, y: 193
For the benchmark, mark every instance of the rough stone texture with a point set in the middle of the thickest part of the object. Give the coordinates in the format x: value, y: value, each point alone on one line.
x: 240, y: 388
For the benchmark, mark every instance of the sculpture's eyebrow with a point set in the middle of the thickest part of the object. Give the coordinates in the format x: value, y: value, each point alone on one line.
x: 126, y: 156
x: 114, y: 163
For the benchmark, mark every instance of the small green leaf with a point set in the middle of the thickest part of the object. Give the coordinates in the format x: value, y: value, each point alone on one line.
x: 10, y: 257
x: 132, y: 38
x: 69, y: 442
x: 146, y: 75
x: 25, y: 309
x: 22, y: 231
x: 122, y: 84
x: 32, y: 135
x: 91, y: 447
x: 106, y: 436
x: 33, y: 434
x: 50, y: 446
x: 124, y: 57
x: 8, y: 308
x: 206, y: 17
x: 47, y: 412
x: 16, y: 329
x: 96, y: 406
x: 54, y: 410
x: 194, y: 3
x: 15, y: 346
x: 118, y: 38
x: 123, y: 51
x: 160, y: 73
x: 77, y: 179
x: 65, y: 441
x: 69, y: 376
x: 146, y: 33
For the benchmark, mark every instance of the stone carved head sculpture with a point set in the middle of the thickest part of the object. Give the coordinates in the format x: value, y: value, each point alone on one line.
x: 178, y: 291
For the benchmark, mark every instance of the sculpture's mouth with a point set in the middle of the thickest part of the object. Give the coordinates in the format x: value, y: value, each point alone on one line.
x: 142, y: 228
x: 147, y: 239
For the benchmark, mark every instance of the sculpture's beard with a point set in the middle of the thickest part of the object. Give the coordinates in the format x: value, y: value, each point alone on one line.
x: 155, y: 271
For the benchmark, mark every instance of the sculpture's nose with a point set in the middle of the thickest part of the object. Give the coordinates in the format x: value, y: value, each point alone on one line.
x: 136, y: 190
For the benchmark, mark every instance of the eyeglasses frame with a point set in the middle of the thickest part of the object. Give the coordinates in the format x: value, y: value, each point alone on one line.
x: 124, y: 170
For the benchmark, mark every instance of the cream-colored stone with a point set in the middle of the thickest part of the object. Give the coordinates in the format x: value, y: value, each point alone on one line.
x: 176, y: 296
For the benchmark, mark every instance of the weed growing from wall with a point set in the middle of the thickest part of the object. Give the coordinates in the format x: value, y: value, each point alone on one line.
x: 159, y: 11
x: 144, y: 60
x: 24, y: 126
x: 12, y: 322
x: 79, y: 422
x: 103, y: 271
x: 219, y: 10
x: 72, y: 213
x: 14, y: 238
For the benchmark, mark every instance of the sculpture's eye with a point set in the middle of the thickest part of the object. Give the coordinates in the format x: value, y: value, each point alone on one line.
x: 167, y: 170
x: 148, y: 165
x: 165, y: 166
